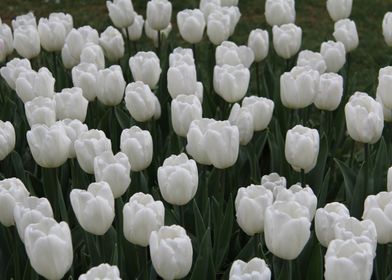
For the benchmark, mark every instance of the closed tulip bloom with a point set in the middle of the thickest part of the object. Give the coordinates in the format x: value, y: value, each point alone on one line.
x: 378, y: 209
x: 145, y: 67
x: 298, y: 88
x: 136, y: 29
x: 326, y: 219
x: 112, y: 84
x: 3, y: 51
x: 384, y: 85
x: 209, y: 6
x: 90, y: 144
x: 334, y: 55
x: 52, y: 34
x: 65, y: 19
x: 339, y: 9
x: 171, y: 252
x: 41, y: 110
x: 231, y: 82
x: 112, y: 43
x: 387, y: 28
x: 7, y: 37
x: 231, y: 54
x: 12, y: 192
x: 261, y: 109
x: 360, y: 231
x: 178, y: 179
x: 278, y: 12
x: 158, y: 14
x: 26, y: 19
x: 389, y: 179
x: 185, y: 109
x: 94, y: 208
x: 140, y: 101
x: 103, y: 271
x: 153, y: 34
x: 386, y: 111
x: 26, y: 41
x: 142, y: 215
x: 71, y: 104
x: 302, y: 148
x: 218, y: 27
x: 234, y: 13
x: 287, y: 39
x: 346, y: 32
x: 364, y: 118
x: 191, y: 24
x: 85, y: 76
x: 48, y: 145
x: 273, y: 182
x: 113, y: 169
x: 254, y: 269
x: 73, y: 129
x: 31, y: 84
x: 121, y: 12
x: 243, y: 119
x: 312, y: 59
x: 330, y: 92
x: 258, y: 41
x: 196, y: 138
x: 137, y: 145
x: 7, y: 139
x: 93, y: 53
x: 286, y: 229
x: 181, y: 56
x: 250, y: 205
x: 181, y: 79
x: 348, y: 260
x: 13, y: 68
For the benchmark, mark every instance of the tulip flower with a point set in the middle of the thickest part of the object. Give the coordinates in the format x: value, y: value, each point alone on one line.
x: 26, y: 41
x: 145, y: 67
x: 346, y: 32
x: 49, y: 248
x: 41, y: 110
x: 94, y: 208
x: 218, y: 27
x: 191, y: 25
x: 112, y: 43
x: 278, y: 12
x: 12, y: 70
x: 93, y: 53
x: 384, y: 84
x: 243, y: 119
x: 171, y: 252
x: 287, y: 39
x: 254, y: 269
x: 73, y: 129
x: 142, y: 215
x: 386, y: 111
x: 113, y: 169
x: 330, y: 92
x: 71, y: 104
x: 181, y: 56
x: 153, y: 34
x: 136, y: 29
x: 137, y: 145
x: 209, y: 6
x: 103, y: 271
x: 339, y: 9
x: 387, y: 28
x: 231, y: 82
x: 7, y: 37
x: 23, y: 20
x: 85, y: 76
x: 273, y: 182
x: 312, y: 59
x: 364, y: 118
x: 334, y: 55
x: 234, y: 14
x: 261, y: 109
x: 52, y: 33
x: 65, y: 19
x: 258, y: 41
x: 184, y: 110
x: 326, y: 219
x: 158, y: 14
x: 181, y: 79
x: 121, y: 12
x: 12, y: 192
x: 231, y: 54
x: 389, y: 179
x: 7, y: 139
x: 112, y: 85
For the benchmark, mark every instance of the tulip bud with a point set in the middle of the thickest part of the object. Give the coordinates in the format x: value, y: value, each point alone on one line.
x: 364, y: 118
x: 254, y: 269
x: 31, y: 210
x: 171, y: 252
x: 178, y: 179
x: 85, y: 76
x: 112, y: 43
x: 103, y: 271
x: 231, y: 54
x: 22, y: 20
x: 387, y: 28
x: 185, y: 109
x: 49, y: 145
x: 218, y: 27
x: 153, y: 34
x: 334, y: 55
x: 384, y: 85
x: 136, y: 29
x: 31, y: 84
x: 273, y: 182
x: 287, y: 39
x: 7, y: 37
x: 121, y: 12
x: 52, y: 34
x: 49, y: 248
x: 137, y: 145
x: 12, y: 192
x: 326, y: 219
x: 196, y: 139
x: 258, y: 41
x: 7, y: 139
x: 94, y: 208
x: 191, y: 25
x: 26, y: 41
x: 181, y: 79
x: 298, y: 88
x: 389, y: 179
x: 65, y: 19
x: 181, y: 56
x: 242, y: 118
x: 231, y: 82
x: 140, y: 101
x: 145, y: 67
x: 71, y: 104
x: 209, y: 6
x: 339, y: 9
x: 330, y: 92
x: 314, y: 60
x: 113, y: 169
x: 250, y: 205
x: 286, y: 229
x: 41, y: 110
x: 377, y: 209
x: 278, y: 12
x: 261, y: 109
x: 14, y: 67
x: 158, y: 14
x: 112, y: 84
x: 93, y: 53
x: 302, y: 148
x: 346, y: 32
x: 386, y: 111
x: 73, y: 129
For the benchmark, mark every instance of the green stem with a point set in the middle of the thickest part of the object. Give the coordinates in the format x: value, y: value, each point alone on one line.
x: 367, y: 190
x: 290, y: 265
x: 128, y: 44
x: 55, y: 69
x: 49, y: 183
x: 257, y: 79
x: 159, y: 43
x: 303, y: 178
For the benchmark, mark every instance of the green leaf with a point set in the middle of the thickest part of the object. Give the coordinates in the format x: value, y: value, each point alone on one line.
x: 123, y: 119
x: 323, y: 191
x: 381, y: 167
x: 199, y: 223
x: 349, y: 179
x: 315, y: 264
x: 360, y: 193
x: 200, y: 268
x: 316, y: 176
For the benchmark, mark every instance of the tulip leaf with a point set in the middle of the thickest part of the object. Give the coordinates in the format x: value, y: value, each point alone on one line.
x: 199, y: 223
x: 316, y: 176
x: 315, y: 262
x: 349, y: 179
x: 323, y: 191
x: 123, y: 119
x: 359, y: 195
x: 17, y: 164
x: 200, y: 268
x: 381, y: 168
